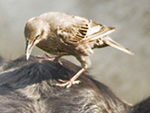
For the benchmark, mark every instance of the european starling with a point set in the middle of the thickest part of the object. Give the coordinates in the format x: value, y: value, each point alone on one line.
x: 63, y: 34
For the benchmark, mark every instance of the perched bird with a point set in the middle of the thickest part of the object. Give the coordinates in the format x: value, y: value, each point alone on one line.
x: 63, y: 34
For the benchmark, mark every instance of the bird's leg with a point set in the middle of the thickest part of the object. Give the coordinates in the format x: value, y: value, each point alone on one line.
x: 47, y: 57
x: 56, y: 59
x: 73, y: 80
x: 51, y: 58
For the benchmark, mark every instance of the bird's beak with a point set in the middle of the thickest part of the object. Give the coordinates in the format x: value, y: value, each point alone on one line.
x: 29, y: 47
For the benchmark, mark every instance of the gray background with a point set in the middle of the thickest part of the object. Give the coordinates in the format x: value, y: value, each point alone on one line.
x: 128, y: 76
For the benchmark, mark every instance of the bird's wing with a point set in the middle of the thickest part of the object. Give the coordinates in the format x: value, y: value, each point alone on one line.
x: 80, y: 29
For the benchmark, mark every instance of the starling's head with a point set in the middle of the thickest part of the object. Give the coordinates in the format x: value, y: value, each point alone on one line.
x: 35, y: 31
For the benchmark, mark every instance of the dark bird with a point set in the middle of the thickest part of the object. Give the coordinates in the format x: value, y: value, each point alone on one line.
x: 63, y: 34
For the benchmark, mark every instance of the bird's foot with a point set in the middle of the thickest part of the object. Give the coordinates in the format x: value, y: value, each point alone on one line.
x: 67, y: 84
x: 54, y: 58
x: 46, y: 57
x: 51, y: 58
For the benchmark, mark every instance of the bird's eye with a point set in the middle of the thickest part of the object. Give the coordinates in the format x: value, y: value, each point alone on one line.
x: 37, y: 36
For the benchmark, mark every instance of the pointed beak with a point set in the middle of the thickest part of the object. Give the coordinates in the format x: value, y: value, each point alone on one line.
x: 29, y: 47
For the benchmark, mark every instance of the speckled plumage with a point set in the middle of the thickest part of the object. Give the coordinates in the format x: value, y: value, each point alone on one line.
x: 62, y: 34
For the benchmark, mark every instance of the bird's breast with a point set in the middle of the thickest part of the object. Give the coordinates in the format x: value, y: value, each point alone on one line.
x: 54, y: 46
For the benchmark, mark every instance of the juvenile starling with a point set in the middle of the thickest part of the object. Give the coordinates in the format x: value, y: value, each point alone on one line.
x: 62, y: 34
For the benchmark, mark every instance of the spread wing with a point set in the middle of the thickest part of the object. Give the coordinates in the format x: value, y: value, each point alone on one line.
x: 79, y: 29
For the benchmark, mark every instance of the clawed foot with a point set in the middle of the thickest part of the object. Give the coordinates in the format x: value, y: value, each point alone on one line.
x: 47, y: 57
x: 51, y: 58
x: 67, y: 84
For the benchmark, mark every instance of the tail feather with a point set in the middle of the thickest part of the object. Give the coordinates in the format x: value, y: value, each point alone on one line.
x: 107, y: 40
x: 98, y: 34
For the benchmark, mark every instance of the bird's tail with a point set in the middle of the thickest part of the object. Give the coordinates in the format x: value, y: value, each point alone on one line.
x: 107, y: 41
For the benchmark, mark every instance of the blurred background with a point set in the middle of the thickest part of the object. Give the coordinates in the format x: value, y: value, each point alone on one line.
x: 127, y: 76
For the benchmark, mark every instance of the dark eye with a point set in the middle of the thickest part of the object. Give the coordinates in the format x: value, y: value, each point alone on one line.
x: 37, y: 37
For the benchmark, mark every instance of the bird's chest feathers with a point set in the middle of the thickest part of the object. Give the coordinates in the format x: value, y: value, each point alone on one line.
x: 56, y: 46
x: 53, y: 46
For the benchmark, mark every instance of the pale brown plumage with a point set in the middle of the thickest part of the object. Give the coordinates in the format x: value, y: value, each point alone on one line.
x: 62, y: 34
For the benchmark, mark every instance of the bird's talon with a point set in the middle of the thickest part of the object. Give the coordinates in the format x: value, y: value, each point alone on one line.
x: 67, y: 83
x: 54, y: 58
x: 63, y: 81
x: 46, y: 57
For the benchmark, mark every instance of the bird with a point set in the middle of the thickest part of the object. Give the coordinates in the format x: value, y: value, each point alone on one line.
x: 62, y: 34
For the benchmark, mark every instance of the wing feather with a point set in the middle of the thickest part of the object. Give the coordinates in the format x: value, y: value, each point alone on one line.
x: 81, y: 29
